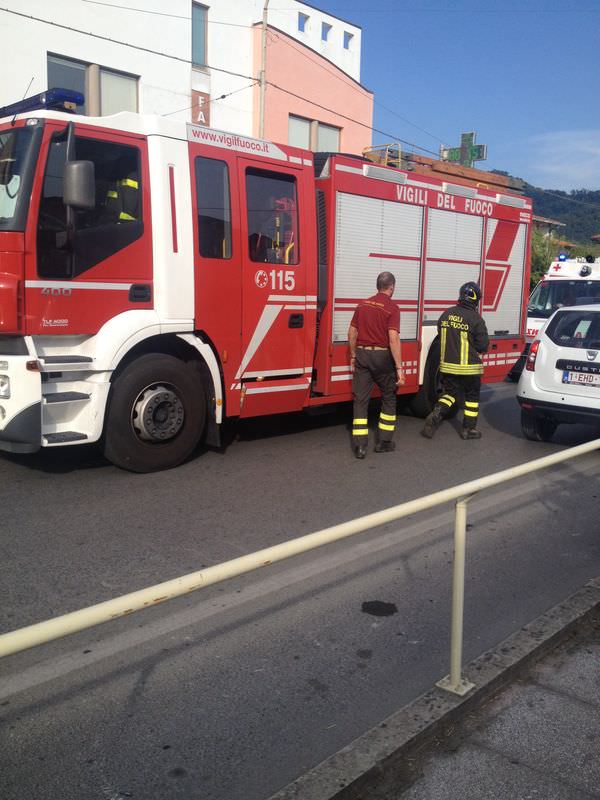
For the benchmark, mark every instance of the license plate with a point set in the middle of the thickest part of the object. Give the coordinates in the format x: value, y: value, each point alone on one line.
x: 585, y: 378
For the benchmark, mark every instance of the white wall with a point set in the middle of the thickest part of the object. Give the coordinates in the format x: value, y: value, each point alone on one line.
x: 333, y: 48
x: 165, y: 83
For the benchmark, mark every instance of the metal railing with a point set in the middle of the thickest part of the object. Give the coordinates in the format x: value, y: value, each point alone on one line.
x: 41, y: 632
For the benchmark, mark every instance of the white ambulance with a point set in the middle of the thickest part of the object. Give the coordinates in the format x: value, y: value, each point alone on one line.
x: 568, y: 282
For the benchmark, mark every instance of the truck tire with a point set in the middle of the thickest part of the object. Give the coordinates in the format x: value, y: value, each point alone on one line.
x: 156, y: 414
x: 421, y: 404
x: 536, y: 428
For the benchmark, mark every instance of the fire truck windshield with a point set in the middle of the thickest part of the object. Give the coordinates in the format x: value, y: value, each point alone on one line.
x: 15, y: 164
x: 550, y: 295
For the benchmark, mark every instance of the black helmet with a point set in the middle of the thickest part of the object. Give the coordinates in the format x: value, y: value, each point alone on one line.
x: 469, y: 293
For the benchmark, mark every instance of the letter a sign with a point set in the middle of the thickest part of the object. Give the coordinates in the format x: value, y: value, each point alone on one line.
x: 200, y: 108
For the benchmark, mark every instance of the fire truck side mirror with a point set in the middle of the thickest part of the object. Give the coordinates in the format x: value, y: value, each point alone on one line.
x: 79, y: 185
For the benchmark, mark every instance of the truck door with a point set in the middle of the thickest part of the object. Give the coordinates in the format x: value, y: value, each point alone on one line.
x: 274, y: 302
x: 82, y: 272
x: 218, y: 299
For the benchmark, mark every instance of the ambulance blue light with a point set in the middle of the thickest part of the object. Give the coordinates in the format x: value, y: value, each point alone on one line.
x: 562, y: 257
x: 53, y: 99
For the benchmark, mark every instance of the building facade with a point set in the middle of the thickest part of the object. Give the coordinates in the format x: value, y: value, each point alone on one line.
x: 199, y: 62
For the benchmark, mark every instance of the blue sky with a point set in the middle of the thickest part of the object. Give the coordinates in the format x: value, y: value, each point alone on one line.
x: 524, y: 75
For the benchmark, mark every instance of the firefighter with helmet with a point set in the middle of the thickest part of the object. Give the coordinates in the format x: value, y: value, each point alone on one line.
x: 463, y: 338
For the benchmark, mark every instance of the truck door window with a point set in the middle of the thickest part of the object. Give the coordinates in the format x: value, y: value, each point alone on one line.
x: 214, y: 208
x: 114, y: 223
x: 272, y: 217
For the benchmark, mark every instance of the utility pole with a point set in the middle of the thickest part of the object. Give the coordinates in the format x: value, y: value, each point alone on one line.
x: 263, y: 66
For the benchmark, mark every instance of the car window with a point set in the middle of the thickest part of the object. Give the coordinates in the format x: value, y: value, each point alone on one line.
x: 550, y: 295
x: 575, y: 329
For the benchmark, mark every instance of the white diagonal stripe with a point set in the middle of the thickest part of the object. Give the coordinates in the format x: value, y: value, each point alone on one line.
x: 267, y: 318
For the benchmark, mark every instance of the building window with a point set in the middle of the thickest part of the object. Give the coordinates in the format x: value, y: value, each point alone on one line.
x: 299, y: 132
x: 328, y: 138
x: 105, y: 91
x: 118, y: 92
x: 272, y: 217
x: 347, y: 40
x: 325, y: 28
x: 214, y: 208
x: 199, y: 15
x: 302, y: 21
x: 64, y: 73
x: 311, y: 134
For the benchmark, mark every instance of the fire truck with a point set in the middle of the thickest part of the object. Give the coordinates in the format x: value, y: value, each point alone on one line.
x: 158, y: 277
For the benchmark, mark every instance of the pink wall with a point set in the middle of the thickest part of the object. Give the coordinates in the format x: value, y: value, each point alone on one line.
x: 304, y: 72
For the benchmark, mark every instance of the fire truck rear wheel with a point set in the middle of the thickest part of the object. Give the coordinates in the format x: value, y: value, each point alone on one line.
x: 156, y: 414
x: 421, y: 404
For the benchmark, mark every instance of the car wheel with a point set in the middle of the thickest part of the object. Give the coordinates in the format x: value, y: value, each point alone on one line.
x: 537, y: 428
x: 156, y: 414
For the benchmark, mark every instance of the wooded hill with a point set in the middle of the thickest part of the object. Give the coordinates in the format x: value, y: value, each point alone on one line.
x: 579, y: 210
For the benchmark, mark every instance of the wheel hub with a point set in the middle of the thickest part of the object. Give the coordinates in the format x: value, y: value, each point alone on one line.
x: 157, y: 414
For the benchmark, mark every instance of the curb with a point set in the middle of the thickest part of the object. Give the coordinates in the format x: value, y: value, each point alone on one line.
x: 376, y: 764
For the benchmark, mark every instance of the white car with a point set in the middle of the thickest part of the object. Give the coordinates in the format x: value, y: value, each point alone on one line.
x: 561, y: 379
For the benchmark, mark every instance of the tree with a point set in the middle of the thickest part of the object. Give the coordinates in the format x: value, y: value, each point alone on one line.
x: 544, y: 250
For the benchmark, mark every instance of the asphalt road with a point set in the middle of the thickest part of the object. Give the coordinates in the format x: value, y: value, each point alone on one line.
x: 230, y: 693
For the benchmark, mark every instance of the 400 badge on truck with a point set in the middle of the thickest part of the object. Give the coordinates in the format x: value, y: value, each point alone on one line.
x: 157, y: 277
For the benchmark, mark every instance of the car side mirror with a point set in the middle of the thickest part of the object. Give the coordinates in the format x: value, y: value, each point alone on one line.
x: 79, y: 185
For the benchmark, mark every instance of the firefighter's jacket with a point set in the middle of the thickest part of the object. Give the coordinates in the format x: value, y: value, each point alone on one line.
x: 463, y: 336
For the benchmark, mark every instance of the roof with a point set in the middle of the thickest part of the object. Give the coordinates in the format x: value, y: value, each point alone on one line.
x: 548, y: 221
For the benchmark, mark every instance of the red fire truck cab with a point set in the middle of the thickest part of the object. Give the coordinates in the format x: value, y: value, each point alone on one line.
x: 157, y: 277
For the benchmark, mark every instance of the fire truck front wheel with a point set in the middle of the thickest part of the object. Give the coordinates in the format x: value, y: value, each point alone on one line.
x: 156, y: 414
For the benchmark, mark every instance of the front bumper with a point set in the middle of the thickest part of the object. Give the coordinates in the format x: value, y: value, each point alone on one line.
x: 23, y: 434
x: 21, y: 413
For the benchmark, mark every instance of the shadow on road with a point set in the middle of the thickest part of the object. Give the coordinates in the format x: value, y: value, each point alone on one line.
x: 62, y: 460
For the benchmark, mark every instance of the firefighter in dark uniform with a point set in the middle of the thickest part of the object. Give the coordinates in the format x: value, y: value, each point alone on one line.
x: 463, y: 337
x: 123, y: 199
x: 374, y: 339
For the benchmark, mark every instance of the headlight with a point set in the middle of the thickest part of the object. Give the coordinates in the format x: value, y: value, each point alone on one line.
x: 4, y: 387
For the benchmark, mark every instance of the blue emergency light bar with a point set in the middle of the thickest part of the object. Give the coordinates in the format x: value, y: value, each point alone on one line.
x: 51, y: 100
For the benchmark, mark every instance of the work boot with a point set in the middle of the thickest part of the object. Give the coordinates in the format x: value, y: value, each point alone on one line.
x: 432, y: 423
x: 470, y: 433
x: 360, y: 450
x: 385, y: 447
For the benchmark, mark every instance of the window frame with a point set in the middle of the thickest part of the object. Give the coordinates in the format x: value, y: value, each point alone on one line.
x: 93, y: 84
x: 134, y: 78
x: 313, y: 136
x: 325, y: 31
x: 204, y: 9
x: 134, y: 230
x: 348, y: 37
x: 84, y: 66
x: 288, y: 178
x: 303, y: 22
x: 201, y: 158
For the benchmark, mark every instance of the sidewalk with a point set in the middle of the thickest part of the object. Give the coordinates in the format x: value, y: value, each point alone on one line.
x: 540, y: 738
